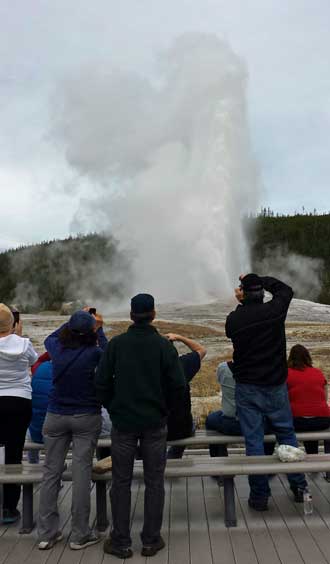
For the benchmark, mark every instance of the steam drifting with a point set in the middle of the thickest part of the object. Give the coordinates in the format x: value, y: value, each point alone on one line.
x: 168, y: 165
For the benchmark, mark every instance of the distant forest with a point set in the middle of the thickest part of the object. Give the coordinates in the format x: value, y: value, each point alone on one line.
x: 43, y: 276
x: 303, y: 234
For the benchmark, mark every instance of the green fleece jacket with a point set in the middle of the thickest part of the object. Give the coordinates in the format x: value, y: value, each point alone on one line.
x: 139, y: 379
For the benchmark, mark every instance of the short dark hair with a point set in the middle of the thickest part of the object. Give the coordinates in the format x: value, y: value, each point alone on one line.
x: 140, y: 318
x: 299, y: 358
x: 72, y: 340
x: 256, y: 297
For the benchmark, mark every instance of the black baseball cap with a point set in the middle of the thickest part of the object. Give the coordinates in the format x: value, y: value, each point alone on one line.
x: 252, y: 283
x: 142, y: 304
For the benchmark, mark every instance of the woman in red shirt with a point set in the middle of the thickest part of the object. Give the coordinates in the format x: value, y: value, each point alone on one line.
x: 307, y: 388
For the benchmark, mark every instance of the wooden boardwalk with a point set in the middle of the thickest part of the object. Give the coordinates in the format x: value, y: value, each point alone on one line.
x: 194, y: 531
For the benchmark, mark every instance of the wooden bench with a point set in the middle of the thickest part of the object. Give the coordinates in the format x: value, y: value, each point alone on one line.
x: 205, y: 437
x: 28, y: 475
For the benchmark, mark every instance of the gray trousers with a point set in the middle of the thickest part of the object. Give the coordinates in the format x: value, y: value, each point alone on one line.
x: 58, y: 431
x: 153, y: 454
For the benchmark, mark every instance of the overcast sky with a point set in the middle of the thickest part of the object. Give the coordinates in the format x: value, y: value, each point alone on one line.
x: 286, y: 47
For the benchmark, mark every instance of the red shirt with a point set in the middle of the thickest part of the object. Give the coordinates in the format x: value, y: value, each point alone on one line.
x: 307, y: 392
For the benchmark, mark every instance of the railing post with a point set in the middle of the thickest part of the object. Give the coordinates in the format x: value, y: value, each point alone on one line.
x: 229, y: 495
x: 27, y: 518
x: 2, y: 462
x: 101, y: 505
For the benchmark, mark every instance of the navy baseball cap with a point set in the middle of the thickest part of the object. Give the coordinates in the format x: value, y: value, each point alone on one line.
x: 142, y: 304
x: 82, y: 322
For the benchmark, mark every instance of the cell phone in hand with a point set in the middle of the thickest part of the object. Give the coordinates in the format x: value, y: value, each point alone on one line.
x: 92, y: 310
x: 16, y: 317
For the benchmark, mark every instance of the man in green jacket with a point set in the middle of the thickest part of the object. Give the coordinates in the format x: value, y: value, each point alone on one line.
x: 139, y: 380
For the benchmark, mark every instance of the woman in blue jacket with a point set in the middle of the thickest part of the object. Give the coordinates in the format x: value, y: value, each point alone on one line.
x: 73, y: 416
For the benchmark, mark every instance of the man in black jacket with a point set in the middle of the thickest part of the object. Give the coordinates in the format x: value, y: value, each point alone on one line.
x: 139, y: 380
x: 257, y: 331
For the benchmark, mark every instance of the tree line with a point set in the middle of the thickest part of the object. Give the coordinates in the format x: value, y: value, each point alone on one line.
x: 303, y: 234
x: 43, y: 276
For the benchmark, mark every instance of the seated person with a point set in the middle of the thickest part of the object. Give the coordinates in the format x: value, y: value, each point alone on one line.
x: 307, y: 387
x: 104, y: 452
x: 226, y: 421
x: 180, y: 421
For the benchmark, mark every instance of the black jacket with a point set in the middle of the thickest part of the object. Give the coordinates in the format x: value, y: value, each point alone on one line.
x: 257, y: 332
x: 139, y: 379
x: 180, y: 421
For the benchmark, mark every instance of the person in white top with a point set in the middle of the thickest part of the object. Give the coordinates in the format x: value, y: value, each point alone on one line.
x: 16, y: 356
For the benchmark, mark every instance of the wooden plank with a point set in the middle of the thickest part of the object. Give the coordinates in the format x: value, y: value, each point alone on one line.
x: 318, y: 523
x: 281, y: 536
x: 179, y: 550
x: 304, y: 541
x: 221, y: 546
x: 162, y: 556
x: 200, y: 545
x: 136, y: 528
x: 243, y: 548
x: 261, y: 539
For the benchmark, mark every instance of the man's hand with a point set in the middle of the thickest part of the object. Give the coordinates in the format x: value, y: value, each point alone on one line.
x: 99, y: 321
x: 239, y: 294
x: 97, y: 316
x: 173, y: 337
x: 192, y: 345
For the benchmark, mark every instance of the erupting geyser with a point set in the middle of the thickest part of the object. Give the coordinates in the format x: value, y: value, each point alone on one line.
x: 169, y: 161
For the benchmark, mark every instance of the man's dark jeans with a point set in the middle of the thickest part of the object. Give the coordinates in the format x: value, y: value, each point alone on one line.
x: 219, y: 422
x: 153, y: 453
x: 255, y: 404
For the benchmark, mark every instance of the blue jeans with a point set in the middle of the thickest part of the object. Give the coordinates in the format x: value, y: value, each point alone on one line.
x: 219, y: 422
x: 255, y: 405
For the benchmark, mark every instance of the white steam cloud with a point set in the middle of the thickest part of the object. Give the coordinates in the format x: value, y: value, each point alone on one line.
x: 169, y: 161
x: 302, y: 273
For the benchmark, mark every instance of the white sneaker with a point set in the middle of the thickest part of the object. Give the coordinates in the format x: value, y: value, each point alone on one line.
x: 46, y: 545
x: 93, y: 538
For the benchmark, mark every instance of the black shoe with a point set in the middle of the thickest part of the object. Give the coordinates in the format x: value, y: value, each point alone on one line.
x: 120, y: 552
x: 153, y: 549
x: 258, y: 505
x: 298, y: 494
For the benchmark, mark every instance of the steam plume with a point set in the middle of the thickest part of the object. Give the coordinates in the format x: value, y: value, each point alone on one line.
x: 169, y: 161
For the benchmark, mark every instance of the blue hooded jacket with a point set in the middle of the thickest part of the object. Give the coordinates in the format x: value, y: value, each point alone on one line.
x: 74, y: 390
x: 41, y: 382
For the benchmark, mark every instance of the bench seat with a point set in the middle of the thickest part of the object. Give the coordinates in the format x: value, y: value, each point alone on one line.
x: 205, y: 437
x: 30, y: 474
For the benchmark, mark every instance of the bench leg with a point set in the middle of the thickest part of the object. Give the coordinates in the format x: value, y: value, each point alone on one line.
x: 229, y: 494
x: 101, y: 506
x: 27, y: 517
x: 327, y: 451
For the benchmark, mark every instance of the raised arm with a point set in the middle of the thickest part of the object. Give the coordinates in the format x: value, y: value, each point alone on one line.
x: 190, y: 343
x: 281, y: 292
x: 51, y: 341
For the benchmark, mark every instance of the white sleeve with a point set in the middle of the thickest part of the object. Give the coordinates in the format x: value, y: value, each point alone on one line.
x: 31, y: 354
